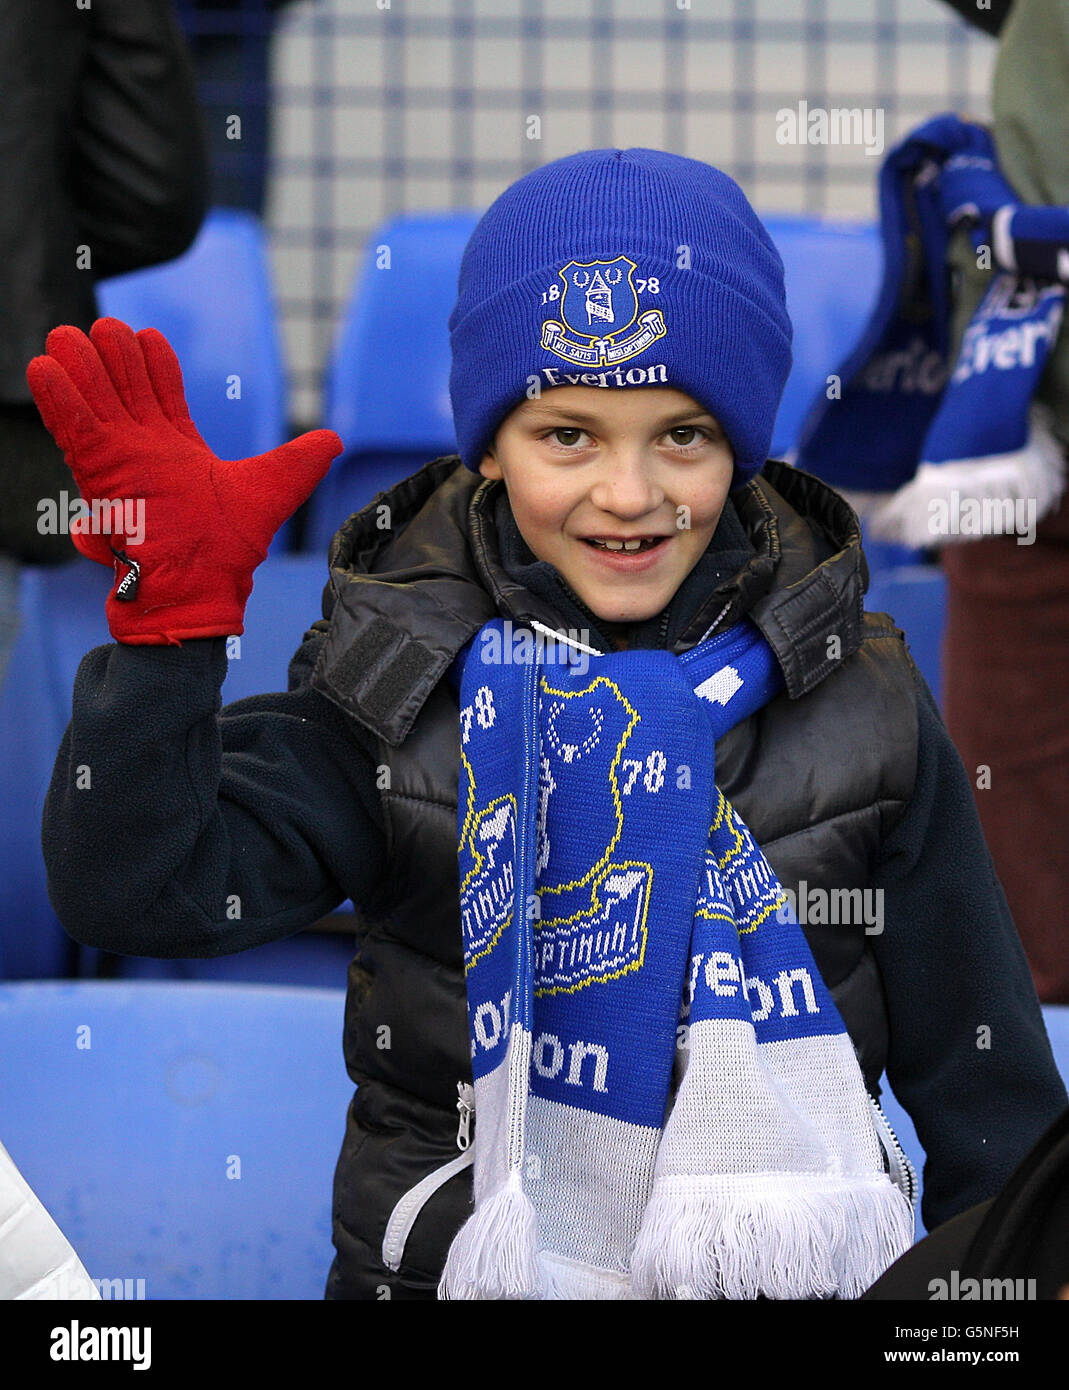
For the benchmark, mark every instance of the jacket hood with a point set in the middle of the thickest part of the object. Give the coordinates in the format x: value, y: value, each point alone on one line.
x: 417, y: 572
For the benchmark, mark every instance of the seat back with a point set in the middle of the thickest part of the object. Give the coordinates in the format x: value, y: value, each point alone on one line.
x: 388, y: 381
x: 286, y: 599
x: 61, y: 610
x: 832, y: 272
x: 387, y: 385
x: 180, y: 1134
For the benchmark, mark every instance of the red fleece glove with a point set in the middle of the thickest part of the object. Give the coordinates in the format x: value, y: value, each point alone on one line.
x: 114, y: 404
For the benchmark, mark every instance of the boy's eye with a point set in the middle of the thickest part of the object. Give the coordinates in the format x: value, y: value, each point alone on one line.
x: 689, y: 430
x: 567, y: 436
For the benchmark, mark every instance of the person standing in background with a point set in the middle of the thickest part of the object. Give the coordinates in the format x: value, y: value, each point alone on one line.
x: 102, y: 157
x: 231, y: 45
x: 1006, y: 652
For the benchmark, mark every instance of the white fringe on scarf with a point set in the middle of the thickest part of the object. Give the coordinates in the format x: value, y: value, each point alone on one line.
x: 1035, y: 472
x: 793, y: 1236
x: 494, y: 1255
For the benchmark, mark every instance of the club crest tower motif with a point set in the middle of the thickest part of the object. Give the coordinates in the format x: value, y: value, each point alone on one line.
x: 597, y: 307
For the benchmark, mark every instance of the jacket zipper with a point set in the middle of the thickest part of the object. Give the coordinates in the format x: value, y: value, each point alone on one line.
x: 902, y: 1172
x: 466, y: 1106
x: 405, y: 1213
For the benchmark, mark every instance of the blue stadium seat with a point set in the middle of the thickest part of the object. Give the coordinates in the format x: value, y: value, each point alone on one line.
x: 388, y: 385
x: 915, y: 597
x: 387, y: 390
x: 216, y: 306
x: 183, y: 1134
x: 887, y: 555
x: 61, y: 612
x: 832, y: 272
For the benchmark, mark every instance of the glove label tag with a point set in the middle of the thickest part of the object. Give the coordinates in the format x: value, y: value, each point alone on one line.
x: 127, y: 590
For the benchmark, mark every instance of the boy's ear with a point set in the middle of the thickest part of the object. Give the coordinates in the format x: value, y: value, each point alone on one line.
x: 489, y: 466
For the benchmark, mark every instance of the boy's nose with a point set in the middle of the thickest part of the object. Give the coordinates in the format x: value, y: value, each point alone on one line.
x: 626, y: 485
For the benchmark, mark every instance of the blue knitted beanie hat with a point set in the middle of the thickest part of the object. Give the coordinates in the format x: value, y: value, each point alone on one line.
x: 619, y: 268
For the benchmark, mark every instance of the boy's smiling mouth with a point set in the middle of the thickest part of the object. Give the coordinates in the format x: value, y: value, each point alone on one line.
x: 627, y: 543
x: 629, y: 556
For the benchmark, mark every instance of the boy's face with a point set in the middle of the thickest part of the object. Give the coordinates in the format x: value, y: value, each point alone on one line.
x: 591, y: 461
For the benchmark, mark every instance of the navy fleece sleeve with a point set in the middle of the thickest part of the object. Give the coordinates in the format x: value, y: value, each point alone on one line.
x: 173, y: 827
x: 969, y: 1057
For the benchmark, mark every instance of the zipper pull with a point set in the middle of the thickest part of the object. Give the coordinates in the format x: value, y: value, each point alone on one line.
x: 466, y: 1106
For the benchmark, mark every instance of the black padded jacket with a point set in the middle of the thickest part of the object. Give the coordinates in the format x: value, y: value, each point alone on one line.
x: 345, y: 786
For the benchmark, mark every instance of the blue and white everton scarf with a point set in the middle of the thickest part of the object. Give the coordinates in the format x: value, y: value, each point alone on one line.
x: 930, y: 451
x: 623, y: 931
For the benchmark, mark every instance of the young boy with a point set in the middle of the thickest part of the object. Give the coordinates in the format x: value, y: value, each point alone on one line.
x: 620, y: 344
